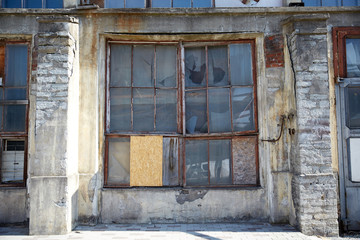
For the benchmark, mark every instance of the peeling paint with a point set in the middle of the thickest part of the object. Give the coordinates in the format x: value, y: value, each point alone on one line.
x: 190, y: 195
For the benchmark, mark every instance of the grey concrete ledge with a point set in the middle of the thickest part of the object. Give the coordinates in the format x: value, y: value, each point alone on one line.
x: 57, y: 18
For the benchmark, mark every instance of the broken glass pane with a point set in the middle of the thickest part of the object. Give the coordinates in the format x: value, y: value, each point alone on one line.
x: 15, y: 93
x: 202, y: 3
x: 12, y: 164
x: 353, y: 57
x: 114, y: 3
x: 161, y: 3
x: 120, y: 66
x: 33, y: 4
x: 195, y: 67
x: 166, y: 109
x: 218, y: 66
x: 196, y: 153
x: 181, y: 3
x: 244, y: 154
x: 135, y: 3
x: 165, y: 66
x: 143, y: 71
x: 219, y: 110
x: 220, y: 162
x: 16, y: 65
x: 241, y: 64
x: 119, y: 161
x: 14, y: 119
x: 120, y: 109
x: 143, y: 109
x: 243, y: 109
x: 196, y: 117
x: 353, y: 107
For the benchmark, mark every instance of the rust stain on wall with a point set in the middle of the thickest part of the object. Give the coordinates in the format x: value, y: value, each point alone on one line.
x: 130, y: 23
x: 146, y: 154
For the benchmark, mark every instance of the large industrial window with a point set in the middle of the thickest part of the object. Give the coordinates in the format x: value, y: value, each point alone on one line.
x: 13, y: 112
x: 181, y: 115
x: 32, y: 3
x: 331, y: 3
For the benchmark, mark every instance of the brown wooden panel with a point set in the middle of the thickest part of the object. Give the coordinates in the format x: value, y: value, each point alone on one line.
x: 244, y: 160
x: 170, y: 162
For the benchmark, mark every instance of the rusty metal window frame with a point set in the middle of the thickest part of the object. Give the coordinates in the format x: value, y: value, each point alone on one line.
x: 22, y: 135
x: 181, y: 111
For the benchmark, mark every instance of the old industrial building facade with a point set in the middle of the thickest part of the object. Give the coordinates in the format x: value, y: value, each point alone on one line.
x: 180, y: 111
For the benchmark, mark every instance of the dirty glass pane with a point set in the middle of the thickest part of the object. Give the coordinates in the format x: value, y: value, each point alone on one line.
x: 119, y: 161
x: 353, y: 107
x: 161, y: 3
x: 12, y: 3
x: 220, y: 162
x: 33, y: 3
x: 218, y: 66
x: 14, y: 118
x: 196, y: 153
x: 143, y: 109
x: 12, y: 164
x: 114, y: 3
x: 241, y: 64
x: 135, y: 4
x: 195, y: 67
x: 312, y: 3
x: 143, y: 71
x: 243, y: 109
x: 166, y: 109
x: 15, y: 93
x: 331, y: 3
x: 244, y: 160
x: 16, y: 65
x: 195, y: 107
x: 165, y: 66
x: 202, y: 3
x: 181, y: 3
x: 219, y: 110
x: 351, y: 3
x: 120, y: 109
x: 120, y: 66
x: 54, y: 3
x: 353, y: 57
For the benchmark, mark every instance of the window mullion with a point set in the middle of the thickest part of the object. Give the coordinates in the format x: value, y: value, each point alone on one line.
x: 207, y: 88
x: 132, y: 89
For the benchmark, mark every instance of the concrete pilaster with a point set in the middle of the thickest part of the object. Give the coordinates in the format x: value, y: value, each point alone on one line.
x: 313, y: 184
x: 53, y: 161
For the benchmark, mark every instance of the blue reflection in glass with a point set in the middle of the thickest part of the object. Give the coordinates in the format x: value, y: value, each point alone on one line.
x: 114, y: 4
x: 33, y: 4
x: 312, y: 3
x: 349, y: 3
x: 135, y: 4
x: 161, y: 3
x: 12, y: 4
x: 202, y: 3
x: 181, y: 3
x: 331, y: 3
x: 54, y: 3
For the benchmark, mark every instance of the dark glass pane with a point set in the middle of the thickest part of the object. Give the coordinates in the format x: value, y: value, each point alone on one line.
x: 54, y: 3
x: 12, y: 3
x: 114, y: 3
x: 166, y: 66
x: 143, y: 109
x: 218, y: 66
x: 161, y: 3
x: 241, y: 64
x: 219, y: 110
x: 33, y: 3
x: 202, y: 3
x: 120, y: 66
x: 331, y: 3
x: 120, y: 109
x: 166, y: 109
x: 143, y: 71
x: 15, y: 146
x: 197, y: 169
x: 196, y: 117
x: 353, y: 57
x: 14, y: 118
x: 181, y: 3
x: 348, y: 3
x: 135, y: 4
x: 15, y: 93
x: 119, y: 161
x: 312, y: 3
x: 195, y: 67
x: 353, y: 107
x: 243, y: 109
x: 16, y: 65
x: 220, y: 162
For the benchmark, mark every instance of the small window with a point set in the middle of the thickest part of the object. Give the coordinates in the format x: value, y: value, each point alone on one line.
x: 331, y: 3
x: 13, y: 112
x: 32, y: 3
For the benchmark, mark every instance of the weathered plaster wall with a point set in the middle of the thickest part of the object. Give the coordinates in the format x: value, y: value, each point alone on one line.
x: 13, y: 205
